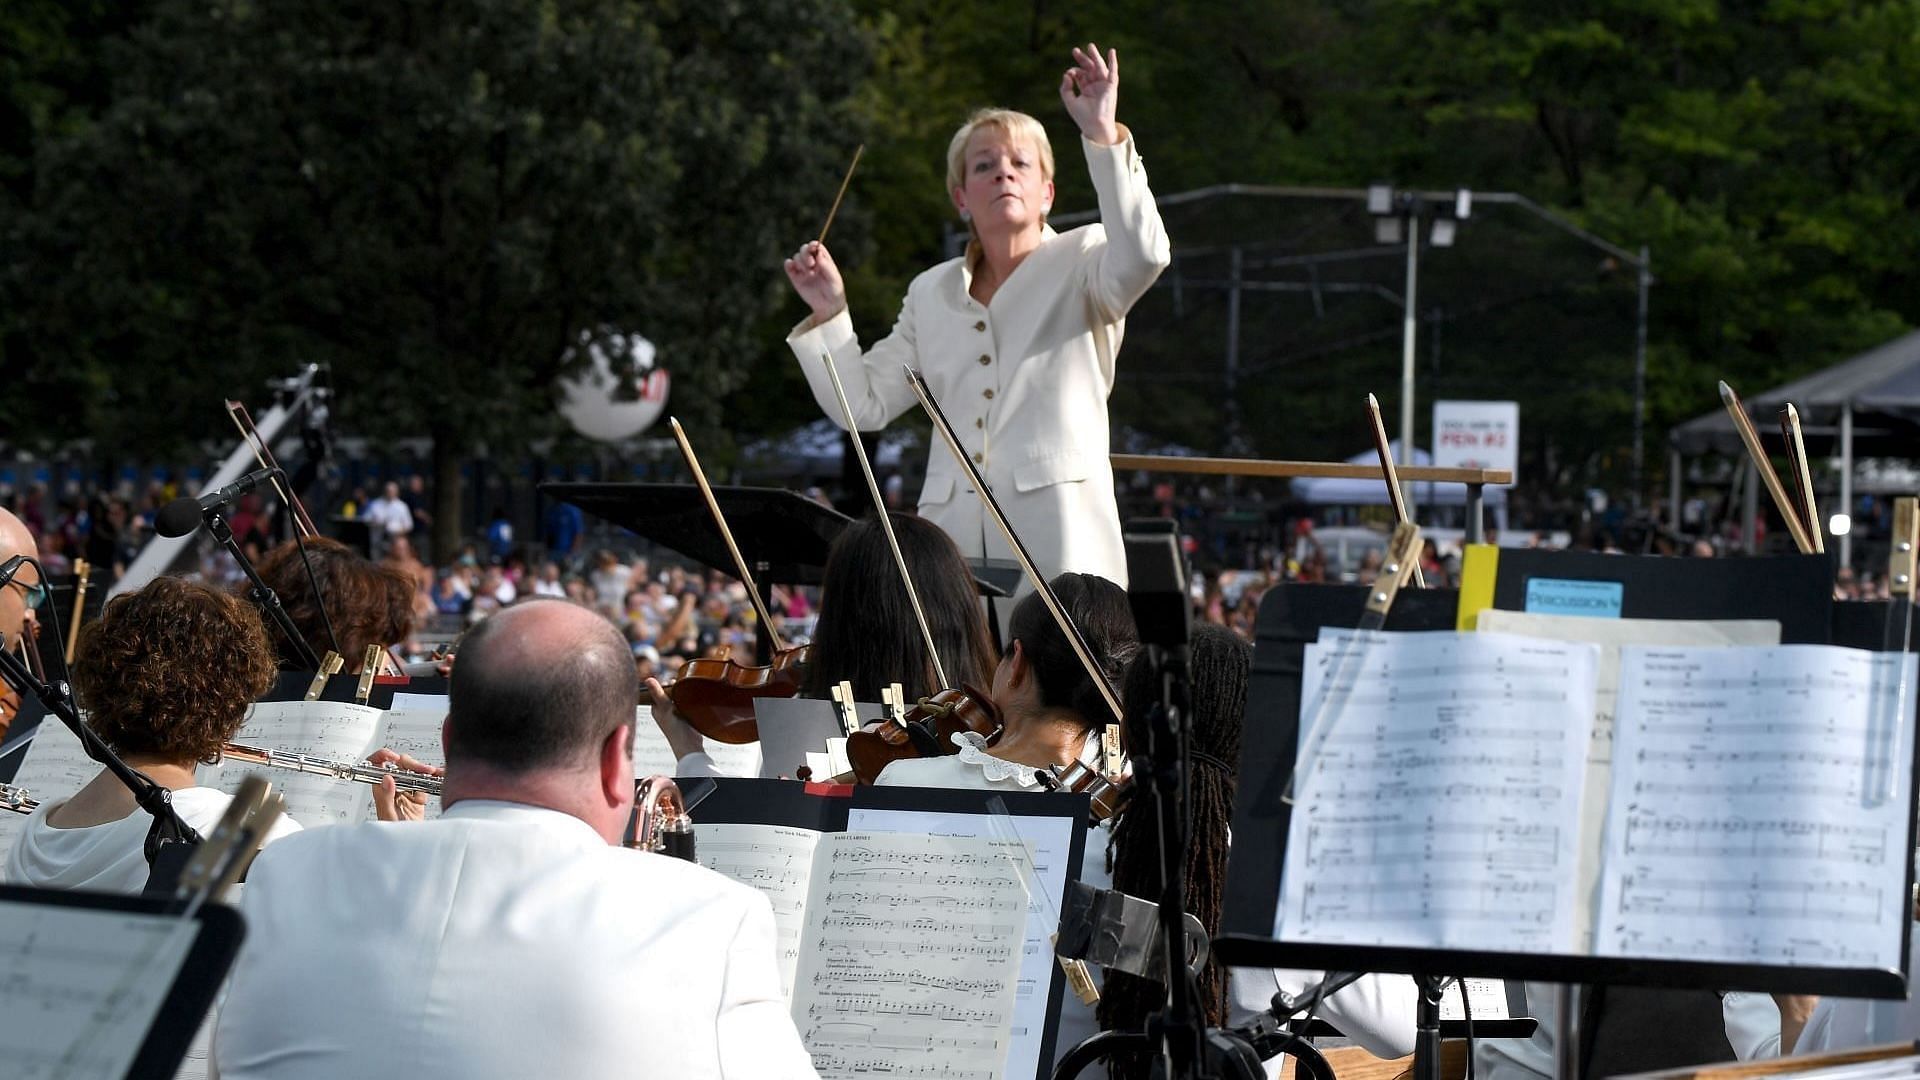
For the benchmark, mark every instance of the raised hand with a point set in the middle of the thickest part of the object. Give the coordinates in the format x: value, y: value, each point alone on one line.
x: 1090, y: 90
x: 817, y: 280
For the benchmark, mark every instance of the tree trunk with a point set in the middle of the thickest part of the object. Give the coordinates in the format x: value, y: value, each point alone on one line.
x: 447, y: 530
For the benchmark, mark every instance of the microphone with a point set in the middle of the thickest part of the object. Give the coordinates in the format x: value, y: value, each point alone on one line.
x: 183, y: 515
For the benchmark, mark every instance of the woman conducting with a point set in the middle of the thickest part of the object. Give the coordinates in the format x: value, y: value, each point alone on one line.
x: 1018, y: 338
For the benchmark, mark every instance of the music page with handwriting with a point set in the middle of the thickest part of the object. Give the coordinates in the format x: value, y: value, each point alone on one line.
x: 1759, y: 807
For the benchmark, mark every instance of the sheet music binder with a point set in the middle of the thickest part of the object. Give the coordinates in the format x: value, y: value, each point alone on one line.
x: 827, y: 808
x: 1291, y: 616
x: 169, y: 1030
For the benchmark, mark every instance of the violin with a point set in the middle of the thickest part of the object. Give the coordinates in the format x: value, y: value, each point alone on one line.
x: 926, y: 730
x: 717, y: 696
x: 1109, y: 796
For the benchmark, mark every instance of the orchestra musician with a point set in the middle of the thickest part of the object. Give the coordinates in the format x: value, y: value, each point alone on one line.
x: 18, y: 600
x: 1378, y: 1012
x: 512, y: 936
x: 366, y: 603
x: 166, y: 675
x: 1052, y: 713
x: 1030, y: 362
x: 865, y: 632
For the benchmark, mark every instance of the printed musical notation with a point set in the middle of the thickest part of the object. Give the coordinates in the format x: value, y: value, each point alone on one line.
x: 874, y: 948
x: 55, y: 767
x: 82, y: 987
x: 653, y: 757
x: 335, y: 730
x: 775, y: 860
x: 1438, y: 781
x: 1724, y: 842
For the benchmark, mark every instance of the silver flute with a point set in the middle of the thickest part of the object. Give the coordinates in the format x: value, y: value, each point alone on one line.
x: 358, y: 773
x: 15, y: 799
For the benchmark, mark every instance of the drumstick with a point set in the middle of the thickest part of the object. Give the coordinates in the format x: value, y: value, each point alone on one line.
x: 844, y: 181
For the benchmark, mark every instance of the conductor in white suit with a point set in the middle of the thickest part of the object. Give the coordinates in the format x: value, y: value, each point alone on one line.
x: 512, y: 937
x: 1017, y: 339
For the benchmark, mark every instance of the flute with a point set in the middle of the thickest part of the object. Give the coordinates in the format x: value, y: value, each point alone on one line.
x: 15, y: 799
x: 360, y: 773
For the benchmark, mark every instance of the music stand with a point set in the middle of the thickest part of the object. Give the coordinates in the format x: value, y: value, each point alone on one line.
x: 1291, y: 616
x: 76, y: 955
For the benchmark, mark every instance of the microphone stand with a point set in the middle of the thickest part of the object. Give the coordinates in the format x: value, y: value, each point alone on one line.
x: 266, y: 598
x: 168, y: 830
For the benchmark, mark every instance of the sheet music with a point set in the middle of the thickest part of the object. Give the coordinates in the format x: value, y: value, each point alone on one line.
x: 913, y: 949
x: 1487, y: 996
x: 1759, y: 806
x: 1050, y: 841
x: 778, y: 861
x: 335, y: 730
x: 1443, y: 807
x: 653, y: 757
x: 416, y: 733
x: 1610, y: 635
x: 82, y: 987
x: 56, y: 766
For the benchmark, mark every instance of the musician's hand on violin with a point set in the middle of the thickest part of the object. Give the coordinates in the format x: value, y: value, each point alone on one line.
x: 817, y: 280
x: 389, y: 802
x: 681, y: 737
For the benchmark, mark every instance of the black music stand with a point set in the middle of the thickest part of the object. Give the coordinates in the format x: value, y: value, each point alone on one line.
x: 1792, y: 590
x: 73, y: 962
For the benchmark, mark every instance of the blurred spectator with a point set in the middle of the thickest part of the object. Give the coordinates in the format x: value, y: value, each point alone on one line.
x: 388, y: 515
x: 548, y: 583
x: 499, y: 535
x: 562, y: 529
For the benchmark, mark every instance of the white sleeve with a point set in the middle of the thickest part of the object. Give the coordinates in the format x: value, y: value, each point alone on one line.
x: 697, y: 763
x: 1135, y: 248
x: 875, y: 383
x: 754, y: 1030
x: 1378, y: 1012
x: 1753, y: 1025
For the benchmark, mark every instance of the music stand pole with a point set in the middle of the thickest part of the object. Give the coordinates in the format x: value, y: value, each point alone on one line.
x: 1426, y: 1038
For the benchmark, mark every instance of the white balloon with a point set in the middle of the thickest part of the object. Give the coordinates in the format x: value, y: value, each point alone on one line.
x: 620, y: 394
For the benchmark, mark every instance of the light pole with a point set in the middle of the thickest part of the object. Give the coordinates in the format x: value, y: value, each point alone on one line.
x: 1396, y: 216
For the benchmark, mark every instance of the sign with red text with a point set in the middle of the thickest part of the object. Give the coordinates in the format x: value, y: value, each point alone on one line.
x: 1476, y: 435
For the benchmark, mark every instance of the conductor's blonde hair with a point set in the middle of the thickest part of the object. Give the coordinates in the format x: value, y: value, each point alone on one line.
x: 1012, y: 125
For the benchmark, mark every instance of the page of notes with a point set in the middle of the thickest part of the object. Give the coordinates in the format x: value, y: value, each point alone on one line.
x: 1048, y: 847
x: 913, y: 946
x: 335, y: 730
x: 1437, y: 799
x: 56, y: 765
x: 1759, y: 807
x: 653, y: 757
x: 82, y: 987
x: 1610, y: 635
x: 777, y: 860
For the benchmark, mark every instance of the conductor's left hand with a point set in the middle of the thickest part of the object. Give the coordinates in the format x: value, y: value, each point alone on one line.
x: 1090, y: 90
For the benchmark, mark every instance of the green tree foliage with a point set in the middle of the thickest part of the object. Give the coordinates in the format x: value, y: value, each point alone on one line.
x: 436, y: 199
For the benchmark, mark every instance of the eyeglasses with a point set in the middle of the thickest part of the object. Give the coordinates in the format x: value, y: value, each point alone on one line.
x: 36, y: 594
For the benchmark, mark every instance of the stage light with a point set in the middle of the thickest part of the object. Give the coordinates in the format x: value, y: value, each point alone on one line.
x: 1840, y: 524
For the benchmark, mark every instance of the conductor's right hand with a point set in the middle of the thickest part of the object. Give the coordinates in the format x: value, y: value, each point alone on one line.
x: 817, y: 280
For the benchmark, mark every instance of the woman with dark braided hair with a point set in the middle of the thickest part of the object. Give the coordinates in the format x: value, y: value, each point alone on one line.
x: 1377, y: 1011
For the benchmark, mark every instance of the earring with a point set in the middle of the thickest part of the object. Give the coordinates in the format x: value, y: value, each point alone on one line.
x: 966, y: 215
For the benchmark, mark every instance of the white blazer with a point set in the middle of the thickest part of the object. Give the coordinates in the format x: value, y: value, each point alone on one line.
x: 500, y: 940
x: 1024, y: 380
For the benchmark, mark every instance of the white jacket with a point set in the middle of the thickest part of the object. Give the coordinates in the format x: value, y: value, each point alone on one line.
x: 500, y: 940
x: 1024, y: 380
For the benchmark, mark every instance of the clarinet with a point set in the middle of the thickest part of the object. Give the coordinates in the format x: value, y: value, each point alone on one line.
x: 358, y: 773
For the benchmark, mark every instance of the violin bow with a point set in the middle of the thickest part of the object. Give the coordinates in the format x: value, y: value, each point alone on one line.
x: 886, y: 521
x: 1040, y: 584
x: 1763, y: 465
x: 1803, y: 476
x: 1394, y: 494
x: 263, y: 454
x: 726, y: 534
